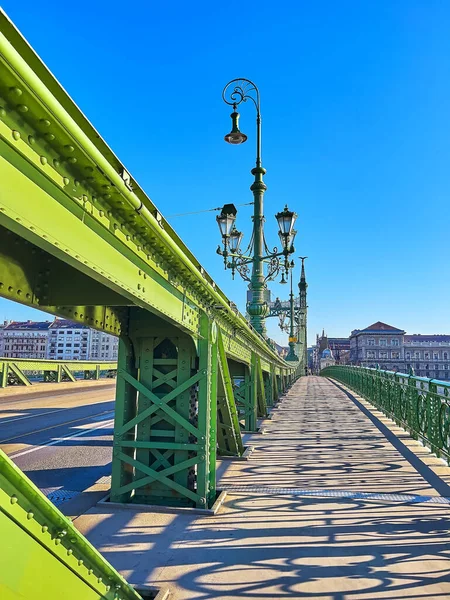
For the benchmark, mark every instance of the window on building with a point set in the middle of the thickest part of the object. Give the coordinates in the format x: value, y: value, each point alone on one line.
x: 60, y: 351
x: 77, y: 332
x: 395, y: 342
x: 370, y: 354
x: 370, y: 341
x: 417, y: 354
x: 445, y: 367
x: 408, y: 355
x: 436, y: 355
x: 76, y: 345
x: 445, y: 356
x: 426, y: 355
x: 60, y: 345
x: 395, y: 355
x: 383, y: 354
x: 69, y: 332
x: 383, y: 342
x: 69, y: 345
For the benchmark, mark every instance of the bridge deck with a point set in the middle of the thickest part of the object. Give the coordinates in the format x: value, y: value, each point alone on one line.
x: 335, y: 503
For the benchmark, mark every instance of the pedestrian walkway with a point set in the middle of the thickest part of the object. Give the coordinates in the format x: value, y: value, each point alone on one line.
x: 334, y: 503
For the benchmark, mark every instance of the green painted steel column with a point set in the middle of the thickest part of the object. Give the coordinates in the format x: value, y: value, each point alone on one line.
x: 207, y: 413
x: 253, y: 409
x: 125, y: 411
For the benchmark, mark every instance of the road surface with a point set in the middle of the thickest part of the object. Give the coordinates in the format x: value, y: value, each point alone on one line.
x: 61, y: 439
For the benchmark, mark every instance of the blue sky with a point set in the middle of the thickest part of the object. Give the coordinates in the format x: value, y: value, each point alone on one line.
x: 356, y: 134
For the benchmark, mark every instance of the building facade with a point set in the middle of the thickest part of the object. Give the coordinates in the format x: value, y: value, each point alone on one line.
x: 60, y: 339
x: 392, y: 350
x: 25, y: 339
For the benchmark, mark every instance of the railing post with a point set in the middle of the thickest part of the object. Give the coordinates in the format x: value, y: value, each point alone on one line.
x: 4, y: 377
x: 433, y: 409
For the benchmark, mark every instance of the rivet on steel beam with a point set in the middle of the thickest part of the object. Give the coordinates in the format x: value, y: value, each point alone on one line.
x: 15, y: 91
x: 16, y: 134
x: 80, y: 562
x: 14, y: 499
x: 31, y: 139
x: 2, y: 112
x: 44, y: 528
x: 72, y: 160
x: 45, y: 122
x: 49, y: 137
x: 43, y: 160
x: 22, y: 108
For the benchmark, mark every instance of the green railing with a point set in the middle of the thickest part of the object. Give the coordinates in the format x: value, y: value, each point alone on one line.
x: 42, y: 555
x: 420, y: 405
x: 23, y: 371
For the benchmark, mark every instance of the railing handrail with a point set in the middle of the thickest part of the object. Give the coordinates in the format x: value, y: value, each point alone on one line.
x: 439, y: 382
x: 420, y: 405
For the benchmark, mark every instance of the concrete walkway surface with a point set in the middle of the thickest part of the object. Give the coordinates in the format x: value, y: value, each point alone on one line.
x: 335, y: 503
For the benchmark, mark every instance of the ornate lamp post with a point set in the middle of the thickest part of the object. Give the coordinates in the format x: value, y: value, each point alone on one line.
x: 257, y: 253
x: 292, y: 338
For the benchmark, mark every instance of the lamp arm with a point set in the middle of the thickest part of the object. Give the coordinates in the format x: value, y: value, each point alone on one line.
x: 240, y: 90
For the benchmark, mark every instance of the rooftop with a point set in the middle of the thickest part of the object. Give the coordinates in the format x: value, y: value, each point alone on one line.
x: 66, y: 324
x: 378, y: 327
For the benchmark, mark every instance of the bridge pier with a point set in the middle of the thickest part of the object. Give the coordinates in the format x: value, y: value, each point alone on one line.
x: 165, y: 428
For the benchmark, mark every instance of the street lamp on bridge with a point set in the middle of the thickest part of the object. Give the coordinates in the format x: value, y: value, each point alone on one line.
x: 257, y: 253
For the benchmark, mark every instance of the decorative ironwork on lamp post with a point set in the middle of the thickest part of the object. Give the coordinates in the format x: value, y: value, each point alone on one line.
x: 257, y: 254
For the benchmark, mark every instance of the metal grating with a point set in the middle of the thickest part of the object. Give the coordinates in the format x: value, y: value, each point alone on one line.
x: 283, y: 491
x: 58, y: 495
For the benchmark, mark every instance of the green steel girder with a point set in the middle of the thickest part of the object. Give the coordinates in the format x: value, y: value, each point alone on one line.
x: 42, y: 554
x: 51, y: 153
x: 242, y: 389
x: 229, y: 440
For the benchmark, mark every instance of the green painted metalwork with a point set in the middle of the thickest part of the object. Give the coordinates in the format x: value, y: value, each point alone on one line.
x: 419, y: 405
x: 79, y: 238
x: 229, y: 439
x: 303, y: 320
x: 242, y: 395
x: 163, y: 412
x: 42, y: 554
x: 257, y: 255
x: 15, y: 371
x: 260, y: 389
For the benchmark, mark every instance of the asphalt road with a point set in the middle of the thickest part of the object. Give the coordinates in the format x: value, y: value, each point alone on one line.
x: 61, y: 440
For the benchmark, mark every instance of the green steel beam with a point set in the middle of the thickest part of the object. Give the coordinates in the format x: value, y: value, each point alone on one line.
x: 228, y: 432
x: 42, y: 554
